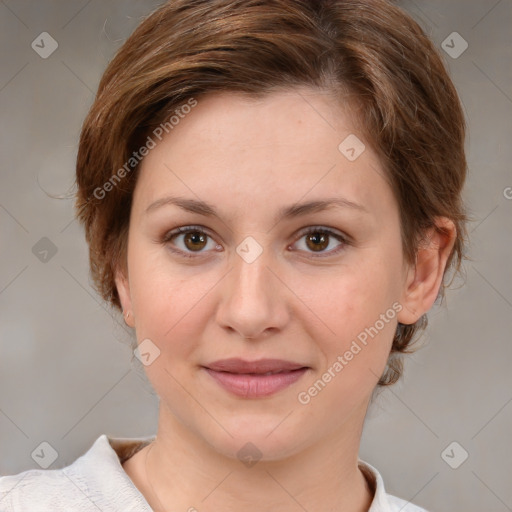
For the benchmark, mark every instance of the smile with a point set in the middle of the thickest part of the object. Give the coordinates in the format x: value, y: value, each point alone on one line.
x: 255, y: 379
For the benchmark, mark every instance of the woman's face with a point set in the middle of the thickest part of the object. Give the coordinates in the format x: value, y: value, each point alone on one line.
x: 256, y: 285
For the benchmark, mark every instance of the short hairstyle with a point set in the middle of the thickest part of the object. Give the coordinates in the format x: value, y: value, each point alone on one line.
x: 369, y: 53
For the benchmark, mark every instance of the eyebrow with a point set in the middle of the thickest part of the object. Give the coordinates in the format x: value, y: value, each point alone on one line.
x: 287, y: 212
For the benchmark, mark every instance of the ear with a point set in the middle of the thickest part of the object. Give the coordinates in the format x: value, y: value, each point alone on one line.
x: 123, y: 289
x: 424, y: 279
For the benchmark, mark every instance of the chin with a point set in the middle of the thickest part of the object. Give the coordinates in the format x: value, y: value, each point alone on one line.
x: 261, y: 438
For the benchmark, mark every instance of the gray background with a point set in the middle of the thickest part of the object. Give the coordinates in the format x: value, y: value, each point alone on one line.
x: 67, y: 373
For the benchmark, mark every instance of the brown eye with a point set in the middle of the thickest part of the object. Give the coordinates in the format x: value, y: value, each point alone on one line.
x: 317, y: 241
x: 195, y: 240
x: 187, y: 240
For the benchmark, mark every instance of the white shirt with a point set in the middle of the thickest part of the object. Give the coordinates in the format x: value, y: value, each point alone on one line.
x: 96, y: 481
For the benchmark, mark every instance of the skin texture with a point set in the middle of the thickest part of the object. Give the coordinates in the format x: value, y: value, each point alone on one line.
x: 248, y: 159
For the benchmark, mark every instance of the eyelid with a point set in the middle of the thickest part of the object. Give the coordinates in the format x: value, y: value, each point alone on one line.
x: 323, y: 229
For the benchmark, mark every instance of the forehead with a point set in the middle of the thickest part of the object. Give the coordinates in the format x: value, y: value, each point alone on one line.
x: 278, y: 148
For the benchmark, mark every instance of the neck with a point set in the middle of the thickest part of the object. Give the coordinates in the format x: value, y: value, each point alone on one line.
x: 184, y: 473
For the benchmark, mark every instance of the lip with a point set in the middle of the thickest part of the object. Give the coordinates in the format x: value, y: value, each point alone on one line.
x: 251, y: 379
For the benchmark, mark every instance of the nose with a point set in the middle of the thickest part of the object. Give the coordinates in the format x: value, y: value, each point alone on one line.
x: 254, y: 299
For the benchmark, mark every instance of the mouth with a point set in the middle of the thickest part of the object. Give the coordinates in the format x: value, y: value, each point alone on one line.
x: 255, y: 379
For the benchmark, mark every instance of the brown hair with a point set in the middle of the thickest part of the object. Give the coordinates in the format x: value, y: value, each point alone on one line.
x: 371, y: 50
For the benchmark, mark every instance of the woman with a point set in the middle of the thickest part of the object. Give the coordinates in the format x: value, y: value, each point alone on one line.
x: 271, y: 194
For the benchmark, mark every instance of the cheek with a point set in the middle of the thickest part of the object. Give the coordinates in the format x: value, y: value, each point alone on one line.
x: 355, y: 356
x: 169, y: 312
x: 353, y: 299
x: 168, y: 302
x: 357, y: 307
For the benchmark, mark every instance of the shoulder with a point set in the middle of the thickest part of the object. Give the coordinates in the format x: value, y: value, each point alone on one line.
x: 39, y: 490
x: 94, y: 481
x: 382, y: 501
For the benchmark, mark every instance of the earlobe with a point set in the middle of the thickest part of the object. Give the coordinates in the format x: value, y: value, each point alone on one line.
x: 123, y: 289
x: 424, y: 279
x: 127, y: 315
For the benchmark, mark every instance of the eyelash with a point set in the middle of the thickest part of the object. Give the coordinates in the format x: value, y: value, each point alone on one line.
x: 313, y: 229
